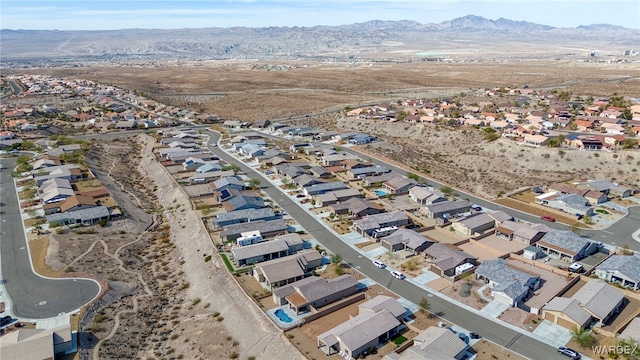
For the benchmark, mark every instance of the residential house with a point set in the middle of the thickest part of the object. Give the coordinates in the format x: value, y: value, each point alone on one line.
x: 334, y: 197
x: 192, y: 163
x: 520, y: 232
x: 208, y: 177
x: 228, y: 182
x: 306, y: 180
x: 362, y: 172
x: 261, y: 124
x: 595, y: 197
x: 573, y: 204
x: 448, y: 260
x: 607, y: 187
x: 509, y: 286
x: 281, y: 246
x: 360, y: 139
x: 322, y: 188
x: 266, y: 228
x: 535, y: 140
x: 87, y: 216
x: 424, y: 196
x: 243, y: 202
x: 377, y: 321
x: 286, y: 270
x: 621, y: 269
x: 594, y: 304
x: 378, y: 180
x: 356, y: 207
x: 208, y: 167
x: 242, y: 216
x: 315, y: 292
x: 499, y: 216
x: 368, y: 224
x: 439, y: 343
x: 399, y: 185
x: 320, y: 172
x: 442, y: 209
x: 37, y: 344
x: 406, y: 239
x: 337, y: 158
x: 475, y: 224
x: 566, y: 245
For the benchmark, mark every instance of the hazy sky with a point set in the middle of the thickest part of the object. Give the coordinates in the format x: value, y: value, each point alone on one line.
x: 173, y: 14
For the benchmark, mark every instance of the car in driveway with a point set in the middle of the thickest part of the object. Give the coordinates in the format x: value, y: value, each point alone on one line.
x: 398, y: 275
x: 547, y: 218
x: 569, y: 353
x: 379, y: 264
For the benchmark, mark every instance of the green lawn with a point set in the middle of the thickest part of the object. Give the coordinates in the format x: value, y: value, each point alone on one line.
x: 227, y: 262
x: 398, y: 340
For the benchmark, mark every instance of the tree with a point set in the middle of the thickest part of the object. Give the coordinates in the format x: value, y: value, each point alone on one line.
x: 233, y: 167
x: 447, y: 190
x: 254, y: 183
x: 336, y: 259
x: 584, y: 337
x: 425, y: 307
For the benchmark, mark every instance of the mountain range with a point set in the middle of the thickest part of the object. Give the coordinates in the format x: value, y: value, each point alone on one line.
x: 368, y: 39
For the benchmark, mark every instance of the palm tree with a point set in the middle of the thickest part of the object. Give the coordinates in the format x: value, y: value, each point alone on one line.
x: 582, y: 336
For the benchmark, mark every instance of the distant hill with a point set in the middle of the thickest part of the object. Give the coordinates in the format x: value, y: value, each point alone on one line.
x: 374, y: 38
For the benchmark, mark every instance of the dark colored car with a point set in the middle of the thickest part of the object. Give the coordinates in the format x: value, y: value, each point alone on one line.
x: 412, y: 226
x: 569, y: 353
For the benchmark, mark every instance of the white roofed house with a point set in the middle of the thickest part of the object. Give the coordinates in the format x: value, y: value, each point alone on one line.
x: 377, y: 321
x: 424, y: 196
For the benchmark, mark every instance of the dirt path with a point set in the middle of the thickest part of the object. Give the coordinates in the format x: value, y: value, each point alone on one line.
x: 209, y: 282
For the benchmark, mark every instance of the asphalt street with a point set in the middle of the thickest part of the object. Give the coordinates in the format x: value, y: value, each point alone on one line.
x: 494, y: 331
x: 32, y: 296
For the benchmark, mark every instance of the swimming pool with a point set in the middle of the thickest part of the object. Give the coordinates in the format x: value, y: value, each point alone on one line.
x: 380, y: 192
x: 283, y: 316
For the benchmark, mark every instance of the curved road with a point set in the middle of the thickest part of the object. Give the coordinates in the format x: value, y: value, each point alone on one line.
x: 502, y: 335
x: 32, y: 296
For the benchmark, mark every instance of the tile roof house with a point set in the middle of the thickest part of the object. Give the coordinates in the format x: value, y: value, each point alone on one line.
x: 475, y: 224
x: 266, y: 228
x: 337, y: 196
x: 434, y: 343
x: 281, y: 246
x: 594, y: 304
x: 406, y: 239
x: 315, y: 292
x: 369, y: 223
x: 423, y: 196
x: 508, y: 285
x: 437, y: 210
x: 288, y: 269
x: 378, y: 320
x: 443, y: 259
x: 621, y: 269
x: 357, y: 207
x: 520, y: 232
x: 566, y: 245
x: 399, y: 185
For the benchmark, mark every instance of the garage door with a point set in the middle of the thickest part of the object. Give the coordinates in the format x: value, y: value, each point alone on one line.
x: 566, y: 323
x: 549, y: 316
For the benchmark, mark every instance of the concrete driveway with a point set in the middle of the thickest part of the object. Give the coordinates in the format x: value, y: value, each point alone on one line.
x: 552, y: 334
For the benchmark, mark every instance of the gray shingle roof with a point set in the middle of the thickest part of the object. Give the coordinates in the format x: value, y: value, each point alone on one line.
x: 506, y: 279
x: 262, y: 248
x: 262, y: 226
x: 247, y: 214
x: 288, y: 267
x: 323, y: 288
x: 564, y: 239
x: 409, y: 238
x: 436, y: 343
x: 423, y: 193
x: 448, y: 206
x: 477, y: 220
x: 399, y: 182
x: 570, y: 307
x: 375, y: 221
x: 383, y: 302
x: 243, y: 200
x: 88, y: 214
x: 360, y: 330
x: 334, y: 185
x: 627, y: 265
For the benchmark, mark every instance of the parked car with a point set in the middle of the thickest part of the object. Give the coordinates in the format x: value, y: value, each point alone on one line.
x: 569, y: 353
x: 412, y: 226
x: 398, y: 275
x: 268, y: 172
x: 379, y: 264
x: 301, y: 195
x: 547, y: 218
x: 476, y: 208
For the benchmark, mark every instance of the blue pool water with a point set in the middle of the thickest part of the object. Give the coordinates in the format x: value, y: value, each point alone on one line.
x: 283, y: 316
x: 380, y: 192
